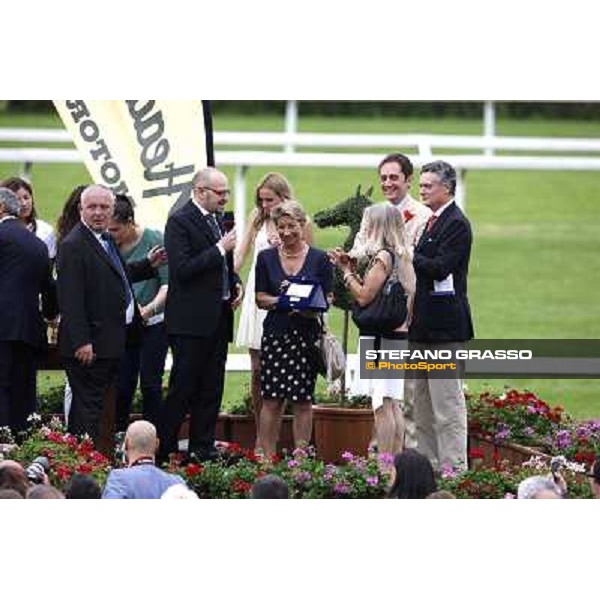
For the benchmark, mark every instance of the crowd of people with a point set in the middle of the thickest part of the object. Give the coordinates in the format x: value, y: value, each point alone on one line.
x: 122, y: 294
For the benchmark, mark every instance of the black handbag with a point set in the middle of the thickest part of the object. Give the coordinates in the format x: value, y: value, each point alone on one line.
x: 386, y: 312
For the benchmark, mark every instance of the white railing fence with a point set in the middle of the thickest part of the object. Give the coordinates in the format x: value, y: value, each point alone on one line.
x: 298, y: 151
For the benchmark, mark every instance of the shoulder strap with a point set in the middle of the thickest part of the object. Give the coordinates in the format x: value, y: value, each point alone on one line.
x: 394, y: 258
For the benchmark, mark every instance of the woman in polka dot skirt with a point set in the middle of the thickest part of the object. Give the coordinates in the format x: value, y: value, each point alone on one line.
x: 289, y: 356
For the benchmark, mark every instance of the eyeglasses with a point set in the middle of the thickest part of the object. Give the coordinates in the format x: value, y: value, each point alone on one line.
x: 220, y: 193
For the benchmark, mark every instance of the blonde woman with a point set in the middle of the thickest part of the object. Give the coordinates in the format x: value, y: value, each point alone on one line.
x: 289, y: 361
x: 388, y: 255
x: 260, y: 234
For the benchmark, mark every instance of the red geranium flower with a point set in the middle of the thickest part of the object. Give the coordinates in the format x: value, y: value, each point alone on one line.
x: 234, y: 448
x: 407, y: 215
x: 63, y: 472
x: 241, y: 486
x: 193, y: 469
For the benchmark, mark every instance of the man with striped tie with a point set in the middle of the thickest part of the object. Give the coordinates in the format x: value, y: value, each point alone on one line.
x: 203, y: 292
x: 441, y: 317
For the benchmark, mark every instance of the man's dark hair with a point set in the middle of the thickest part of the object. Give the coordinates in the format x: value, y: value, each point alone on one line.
x: 445, y: 171
x: 405, y: 165
x: 270, y: 487
x: 83, y: 487
x: 414, y: 476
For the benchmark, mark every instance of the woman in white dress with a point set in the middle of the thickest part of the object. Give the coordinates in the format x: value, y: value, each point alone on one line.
x: 260, y: 234
x: 44, y: 231
x: 388, y: 255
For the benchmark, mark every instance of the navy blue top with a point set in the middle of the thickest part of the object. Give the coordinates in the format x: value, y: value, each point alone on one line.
x: 270, y: 275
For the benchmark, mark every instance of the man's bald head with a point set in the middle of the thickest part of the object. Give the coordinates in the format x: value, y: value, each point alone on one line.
x: 140, y: 440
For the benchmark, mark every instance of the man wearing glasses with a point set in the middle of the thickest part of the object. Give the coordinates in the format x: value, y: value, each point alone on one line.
x: 203, y: 292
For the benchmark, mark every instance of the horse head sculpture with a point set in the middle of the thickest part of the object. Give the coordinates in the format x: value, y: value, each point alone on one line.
x: 348, y: 213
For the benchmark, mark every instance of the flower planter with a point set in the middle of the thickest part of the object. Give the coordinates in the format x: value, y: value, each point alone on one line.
x: 242, y: 431
x: 493, y: 451
x: 339, y: 429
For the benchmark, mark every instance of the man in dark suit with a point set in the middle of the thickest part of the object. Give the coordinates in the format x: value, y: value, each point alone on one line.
x: 441, y: 317
x: 98, y: 312
x: 25, y: 274
x: 203, y: 291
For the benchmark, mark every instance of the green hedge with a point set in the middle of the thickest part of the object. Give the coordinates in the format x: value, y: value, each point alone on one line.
x: 515, y: 110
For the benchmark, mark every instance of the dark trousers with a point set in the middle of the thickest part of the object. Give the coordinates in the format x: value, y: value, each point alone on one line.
x: 147, y: 362
x: 94, y: 388
x: 195, y: 386
x: 18, y: 369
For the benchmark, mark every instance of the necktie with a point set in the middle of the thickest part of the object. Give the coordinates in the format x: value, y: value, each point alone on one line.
x: 214, y: 225
x: 431, y: 222
x: 113, y: 254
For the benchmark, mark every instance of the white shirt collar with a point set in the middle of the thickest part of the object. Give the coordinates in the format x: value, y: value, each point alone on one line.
x: 200, y: 207
x: 6, y: 218
x: 402, y: 204
x: 98, y: 236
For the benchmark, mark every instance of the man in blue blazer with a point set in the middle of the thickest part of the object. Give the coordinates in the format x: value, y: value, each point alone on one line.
x: 141, y: 480
x: 25, y: 274
x: 441, y: 317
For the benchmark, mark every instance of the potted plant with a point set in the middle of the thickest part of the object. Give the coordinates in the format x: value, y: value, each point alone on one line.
x: 342, y: 423
x: 241, y: 425
x: 514, y: 424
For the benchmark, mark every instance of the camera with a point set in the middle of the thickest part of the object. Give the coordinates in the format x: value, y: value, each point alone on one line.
x: 557, y: 463
x: 37, y: 469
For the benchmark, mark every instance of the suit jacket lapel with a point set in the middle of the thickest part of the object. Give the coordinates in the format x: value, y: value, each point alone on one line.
x: 439, y: 223
x: 90, y: 238
x: 201, y: 222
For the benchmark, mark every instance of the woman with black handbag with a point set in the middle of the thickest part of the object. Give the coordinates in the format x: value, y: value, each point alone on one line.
x: 383, y: 301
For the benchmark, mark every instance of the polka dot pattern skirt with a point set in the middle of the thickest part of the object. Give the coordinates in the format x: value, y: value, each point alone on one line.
x: 288, y: 366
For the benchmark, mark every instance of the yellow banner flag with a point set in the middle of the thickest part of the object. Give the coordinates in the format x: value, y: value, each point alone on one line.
x: 147, y: 149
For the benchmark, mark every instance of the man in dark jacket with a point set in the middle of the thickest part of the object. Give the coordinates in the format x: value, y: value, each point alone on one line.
x: 25, y: 274
x: 98, y: 313
x: 203, y: 291
x: 441, y: 317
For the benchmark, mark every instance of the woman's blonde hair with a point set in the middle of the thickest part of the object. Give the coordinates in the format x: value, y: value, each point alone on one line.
x: 385, y: 231
x: 291, y: 209
x: 279, y: 185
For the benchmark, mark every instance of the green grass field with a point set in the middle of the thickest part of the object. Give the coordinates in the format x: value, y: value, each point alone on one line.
x: 535, y: 261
